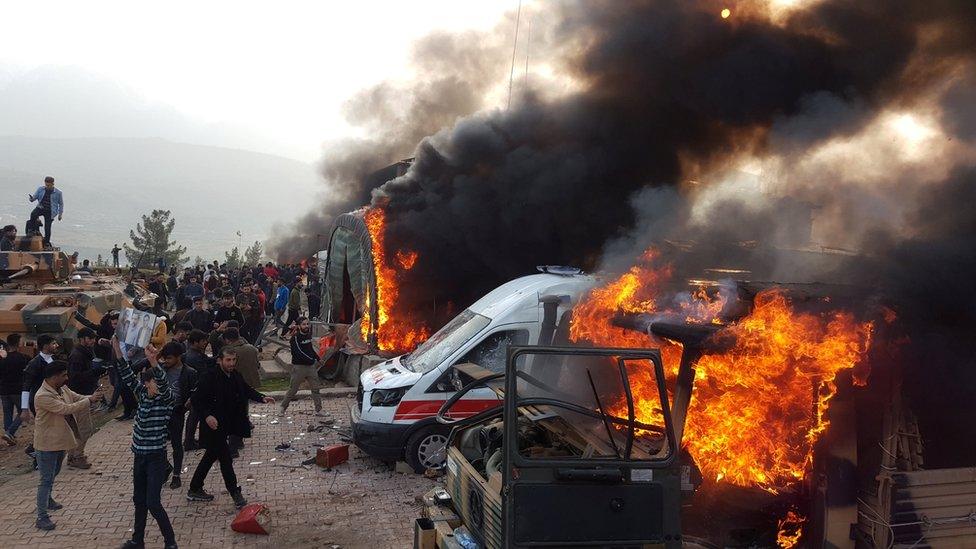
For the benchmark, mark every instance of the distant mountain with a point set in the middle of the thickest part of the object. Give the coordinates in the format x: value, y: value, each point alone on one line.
x: 108, y: 183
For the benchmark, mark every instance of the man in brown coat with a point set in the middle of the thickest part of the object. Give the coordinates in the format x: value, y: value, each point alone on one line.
x: 62, y: 420
x: 248, y: 365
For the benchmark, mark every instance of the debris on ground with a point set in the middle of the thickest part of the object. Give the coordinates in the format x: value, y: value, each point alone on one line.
x: 331, y: 456
x: 252, y: 519
x: 403, y: 467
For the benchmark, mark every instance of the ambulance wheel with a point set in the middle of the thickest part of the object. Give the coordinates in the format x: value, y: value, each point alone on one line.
x: 427, y: 449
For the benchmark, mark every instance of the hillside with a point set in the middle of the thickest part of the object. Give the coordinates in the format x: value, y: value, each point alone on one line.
x: 108, y: 183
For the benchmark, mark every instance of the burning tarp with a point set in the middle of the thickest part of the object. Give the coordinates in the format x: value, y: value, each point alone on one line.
x: 362, y: 286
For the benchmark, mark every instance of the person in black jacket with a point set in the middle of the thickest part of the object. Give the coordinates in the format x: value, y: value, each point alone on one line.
x: 82, y: 373
x: 182, y: 380
x: 221, y: 399
x: 34, y: 373
x: 305, y: 364
x: 201, y: 319
x: 34, y: 377
x: 11, y: 381
x: 196, y: 358
x: 104, y: 355
x: 83, y: 378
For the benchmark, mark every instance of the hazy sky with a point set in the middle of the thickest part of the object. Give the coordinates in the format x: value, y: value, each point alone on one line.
x: 276, y: 71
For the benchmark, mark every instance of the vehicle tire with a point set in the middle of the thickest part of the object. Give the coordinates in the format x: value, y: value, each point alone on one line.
x: 427, y: 448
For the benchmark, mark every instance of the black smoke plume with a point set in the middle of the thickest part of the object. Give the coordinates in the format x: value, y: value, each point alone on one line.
x: 668, y: 91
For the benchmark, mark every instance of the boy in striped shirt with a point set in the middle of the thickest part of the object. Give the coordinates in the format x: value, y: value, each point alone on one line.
x: 150, y: 434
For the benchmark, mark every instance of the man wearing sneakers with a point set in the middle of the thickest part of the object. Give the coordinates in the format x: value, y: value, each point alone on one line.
x: 304, y: 364
x: 149, y: 434
x: 221, y: 401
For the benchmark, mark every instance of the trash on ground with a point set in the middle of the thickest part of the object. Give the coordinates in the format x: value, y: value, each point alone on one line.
x: 331, y: 456
x: 252, y: 519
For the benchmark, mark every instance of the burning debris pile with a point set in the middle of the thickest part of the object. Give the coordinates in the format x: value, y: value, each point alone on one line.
x: 759, y: 403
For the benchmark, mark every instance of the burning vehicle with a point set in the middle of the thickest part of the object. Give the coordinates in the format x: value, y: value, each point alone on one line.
x: 394, y: 416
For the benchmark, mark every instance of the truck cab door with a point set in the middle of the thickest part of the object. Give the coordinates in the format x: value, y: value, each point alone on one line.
x: 584, y: 464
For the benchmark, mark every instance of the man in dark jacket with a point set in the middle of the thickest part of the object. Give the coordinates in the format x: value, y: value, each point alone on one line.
x: 201, y: 319
x: 250, y: 305
x: 11, y: 381
x: 196, y: 358
x: 221, y: 399
x: 182, y: 380
x: 34, y: 373
x: 82, y: 373
x: 305, y: 364
x: 227, y: 311
x: 83, y: 379
x: 34, y: 377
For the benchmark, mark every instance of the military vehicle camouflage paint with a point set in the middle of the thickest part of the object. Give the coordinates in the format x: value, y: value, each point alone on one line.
x: 41, y: 293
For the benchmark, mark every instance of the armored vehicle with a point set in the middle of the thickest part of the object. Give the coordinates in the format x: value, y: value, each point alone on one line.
x: 41, y: 292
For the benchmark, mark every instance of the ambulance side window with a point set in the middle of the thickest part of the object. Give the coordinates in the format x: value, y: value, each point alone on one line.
x: 491, y: 352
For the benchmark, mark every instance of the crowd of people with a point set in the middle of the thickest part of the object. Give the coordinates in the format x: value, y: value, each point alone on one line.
x: 188, y: 389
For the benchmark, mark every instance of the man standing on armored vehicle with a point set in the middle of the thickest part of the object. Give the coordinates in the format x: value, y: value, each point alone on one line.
x: 50, y: 204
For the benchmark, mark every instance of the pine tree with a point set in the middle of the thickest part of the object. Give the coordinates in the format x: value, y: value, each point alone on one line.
x: 233, y: 258
x: 253, y: 253
x: 198, y: 261
x: 151, y: 240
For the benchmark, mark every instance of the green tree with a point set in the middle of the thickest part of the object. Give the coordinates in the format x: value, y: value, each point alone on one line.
x: 151, y: 240
x: 233, y: 258
x: 198, y: 261
x: 253, y: 254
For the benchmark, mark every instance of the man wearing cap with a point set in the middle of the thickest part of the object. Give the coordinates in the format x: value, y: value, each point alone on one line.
x: 50, y: 204
x: 8, y: 239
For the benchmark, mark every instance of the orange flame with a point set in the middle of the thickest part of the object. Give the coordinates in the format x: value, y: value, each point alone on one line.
x: 407, y: 259
x: 395, y: 331
x: 790, y: 530
x: 758, y: 408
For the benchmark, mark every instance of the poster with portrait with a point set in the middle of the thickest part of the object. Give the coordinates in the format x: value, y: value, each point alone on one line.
x: 136, y: 328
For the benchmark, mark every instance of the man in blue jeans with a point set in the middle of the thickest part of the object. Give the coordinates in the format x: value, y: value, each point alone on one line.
x: 50, y: 203
x: 58, y: 427
x: 149, y: 436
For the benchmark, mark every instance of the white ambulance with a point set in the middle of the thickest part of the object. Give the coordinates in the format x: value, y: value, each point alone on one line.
x: 393, y: 417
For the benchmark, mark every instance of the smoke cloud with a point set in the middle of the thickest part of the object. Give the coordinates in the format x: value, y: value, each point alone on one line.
x: 679, y: 124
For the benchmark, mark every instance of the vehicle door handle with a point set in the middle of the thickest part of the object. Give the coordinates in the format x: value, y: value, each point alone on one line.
x: 599, y: 475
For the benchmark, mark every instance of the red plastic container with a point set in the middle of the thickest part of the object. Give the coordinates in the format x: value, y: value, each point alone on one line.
x: 248, y: 520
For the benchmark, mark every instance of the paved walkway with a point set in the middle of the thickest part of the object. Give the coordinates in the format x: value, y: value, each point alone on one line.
x: 361, y: 503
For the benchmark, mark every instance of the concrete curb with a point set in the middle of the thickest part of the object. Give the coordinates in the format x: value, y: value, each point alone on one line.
x: 326, y: 392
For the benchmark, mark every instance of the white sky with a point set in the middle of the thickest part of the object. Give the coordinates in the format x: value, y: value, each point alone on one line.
x: 281, y: 68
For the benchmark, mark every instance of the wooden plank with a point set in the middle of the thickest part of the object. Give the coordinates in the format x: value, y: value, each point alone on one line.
x: 445, y: 536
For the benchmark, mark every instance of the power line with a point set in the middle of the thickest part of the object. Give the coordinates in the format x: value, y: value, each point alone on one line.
x: 511, y: 74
